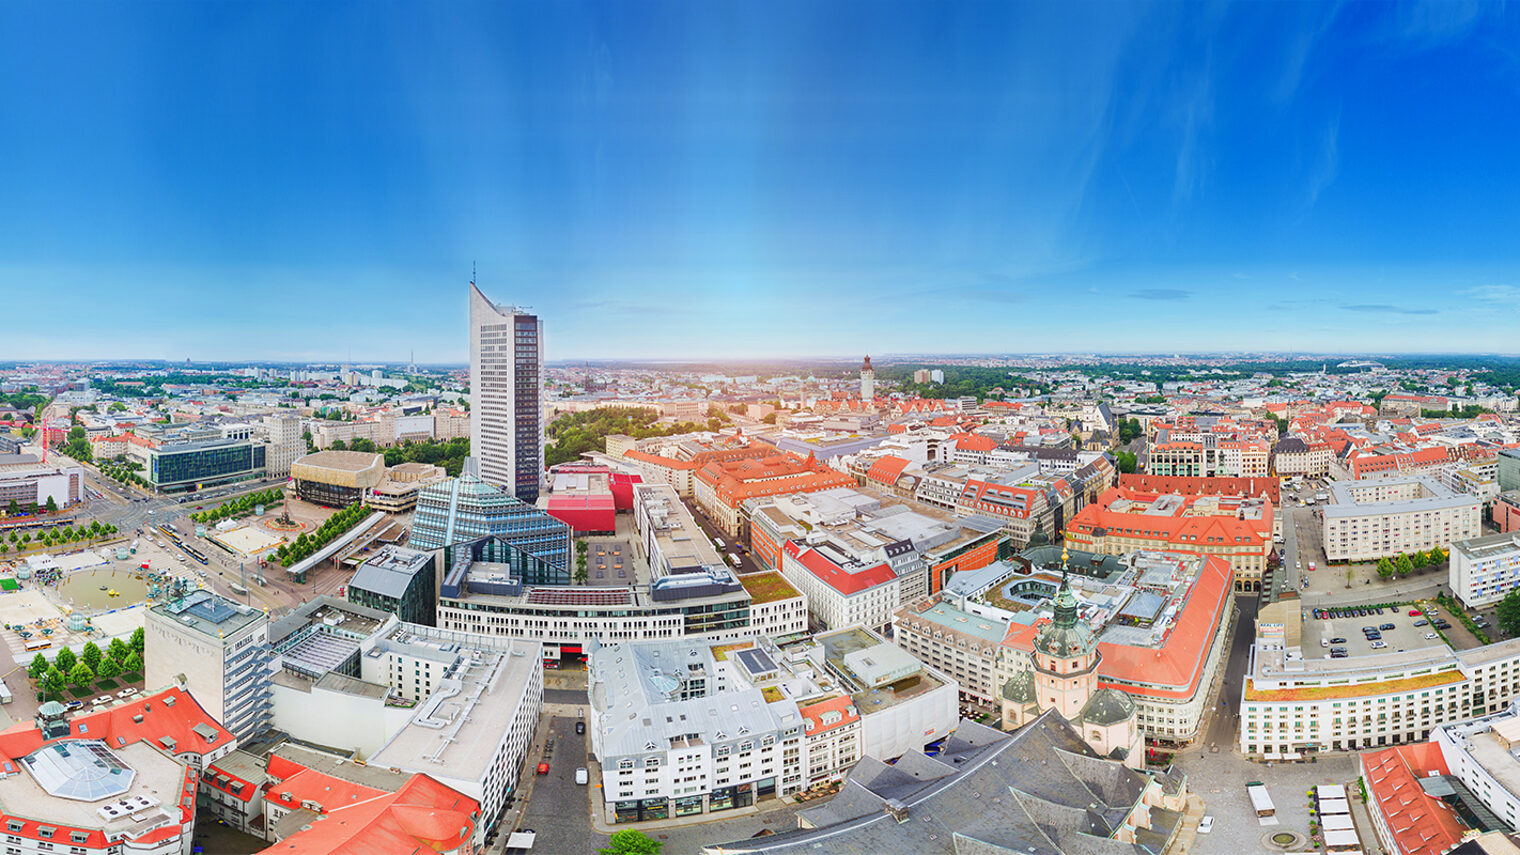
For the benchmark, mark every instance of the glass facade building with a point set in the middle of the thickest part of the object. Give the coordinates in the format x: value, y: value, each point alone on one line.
x: 195, y: 465
x: 466, y: 509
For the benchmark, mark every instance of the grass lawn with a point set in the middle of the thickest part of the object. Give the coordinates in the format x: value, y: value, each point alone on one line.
x: 130, y: 678
x: 8, y: 584
x: 107, y: 685
x: 81, y: 693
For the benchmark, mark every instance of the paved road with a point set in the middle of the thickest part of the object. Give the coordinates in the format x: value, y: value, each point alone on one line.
x: 564, y: 696
x: 1225, y: 723
x: 747, y: 563
x: 558, y: 809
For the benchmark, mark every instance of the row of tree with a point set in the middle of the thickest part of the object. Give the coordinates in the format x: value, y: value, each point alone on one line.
x: 240, y: 506
x: 1402, y: 565
x: 57, y: 536
x: 307, y: 544
x: 118, y: 658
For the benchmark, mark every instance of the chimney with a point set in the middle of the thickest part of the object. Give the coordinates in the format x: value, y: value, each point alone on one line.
x: 896, y: 809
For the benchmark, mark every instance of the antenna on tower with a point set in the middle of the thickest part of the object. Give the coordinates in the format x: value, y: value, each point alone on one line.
x: 472, y: 273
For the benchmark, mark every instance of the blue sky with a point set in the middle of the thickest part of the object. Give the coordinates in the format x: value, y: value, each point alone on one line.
x: 222, y: 180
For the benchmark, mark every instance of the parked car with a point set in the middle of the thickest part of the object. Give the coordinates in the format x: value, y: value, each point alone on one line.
x: 1430, y: 636
x: 1414, y: 612
x: 1421, y: 622
x: 1379, y: 645
x: 1206, y: 825
x: 1337, y: 641
x: 1386, y: 626
x: 580, y: 775
x: 543, y: 768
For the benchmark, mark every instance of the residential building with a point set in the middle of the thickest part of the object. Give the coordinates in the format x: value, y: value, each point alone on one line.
x: 400, y: 581
x: 1506, y: 511
x: 1481, y: 757
x: 776, y: 609
x: 118, y: 779
x: 283, y: 435
x: 727, y: 479
x: 1408, y: 818
x: 218, y: 650
x: 1386, y: 516
x: 1078, y: 802
x: 1235, y: 526
x: 506, y: 396
x: 472, y: 734
x: 842, y: 590
x: 1484, y: 569
x: 1294, y: 456
x: 315, y: 804
x: 337, y: 479
x: 688, y: 727
x: 466, y: 509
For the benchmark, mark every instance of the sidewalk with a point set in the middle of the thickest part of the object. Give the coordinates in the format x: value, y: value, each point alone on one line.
x: 653, y: 826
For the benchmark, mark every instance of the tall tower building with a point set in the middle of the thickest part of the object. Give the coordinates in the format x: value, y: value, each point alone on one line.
x: 867, y: 381
x: 506, y: 396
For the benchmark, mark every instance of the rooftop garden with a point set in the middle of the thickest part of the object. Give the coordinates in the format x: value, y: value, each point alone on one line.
x: 767, y: 587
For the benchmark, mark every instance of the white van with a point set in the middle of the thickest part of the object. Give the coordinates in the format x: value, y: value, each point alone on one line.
x: 580, y: 776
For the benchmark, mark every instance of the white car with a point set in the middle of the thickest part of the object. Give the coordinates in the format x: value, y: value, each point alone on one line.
x: 580, y: 775
x: 1206, y: 825
x: 1430, y: 636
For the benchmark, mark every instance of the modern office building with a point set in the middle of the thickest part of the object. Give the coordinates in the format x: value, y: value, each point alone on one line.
x: 283, y: 434
x: 466, y: 509
x: 506, y: 396
x: 1509, y: 469
x: 337, y: 479
x: 219, y: 651
x: 198, y: 464
x: 400, y: 581
x: 1373, y: 518
x: 118, y: 779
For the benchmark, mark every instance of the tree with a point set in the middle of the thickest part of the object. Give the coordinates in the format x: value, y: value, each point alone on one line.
x: 133, y: 663
x: 117, y: 650
x: 13, y: 509
x: 65, y: 660
x: 339, y: 445
x: 81, y: 675
x: 53, y: 681
x: 631, y: 841
x: 768, y: 418
x: 1507, y: 614
x: 1436, y: 555
x: 52, y: 506
x: 1419, y: 559
x: 1402, y: 566
x: 1127, y: 460
x: 39, y: 667
x: 90, y: 655
x: 109, y: 669
x: 1385, y: 568
x: 137, y: 641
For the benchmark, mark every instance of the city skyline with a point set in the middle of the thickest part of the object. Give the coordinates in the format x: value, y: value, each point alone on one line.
x: 259, y: 182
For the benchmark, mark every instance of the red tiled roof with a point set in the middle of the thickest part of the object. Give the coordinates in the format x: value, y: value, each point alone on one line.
x: 423, y: 816
x: 836, y: 577
x: 814, y: 714
x: 657, y: 460
x: 886, y: 470
x: 1187, y: 485
x: 1420, y: 824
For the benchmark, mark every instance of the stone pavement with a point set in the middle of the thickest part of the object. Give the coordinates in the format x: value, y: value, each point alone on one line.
x: 1220, y: 778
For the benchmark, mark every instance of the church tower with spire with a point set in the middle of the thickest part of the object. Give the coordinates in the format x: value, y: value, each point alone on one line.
x: 1064, y: 676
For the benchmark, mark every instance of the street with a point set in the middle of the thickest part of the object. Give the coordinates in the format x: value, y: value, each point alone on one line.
x: 1224, y: 723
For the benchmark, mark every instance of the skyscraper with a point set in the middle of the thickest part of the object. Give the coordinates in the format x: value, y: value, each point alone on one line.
x: 506, y: 396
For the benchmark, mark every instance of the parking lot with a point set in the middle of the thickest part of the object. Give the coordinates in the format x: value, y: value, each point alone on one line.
x: 1404, y: 635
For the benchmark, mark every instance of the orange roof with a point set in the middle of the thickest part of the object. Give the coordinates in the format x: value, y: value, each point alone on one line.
x: 1175, y: 669
x: 657, y: 460
x: 1420, y: 824
x: 886, y: 470
x: 1180, y: 528
x: 1188, y: 485
x: 422, y: 816
x: 814, y: 714
x: 771, y: 475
